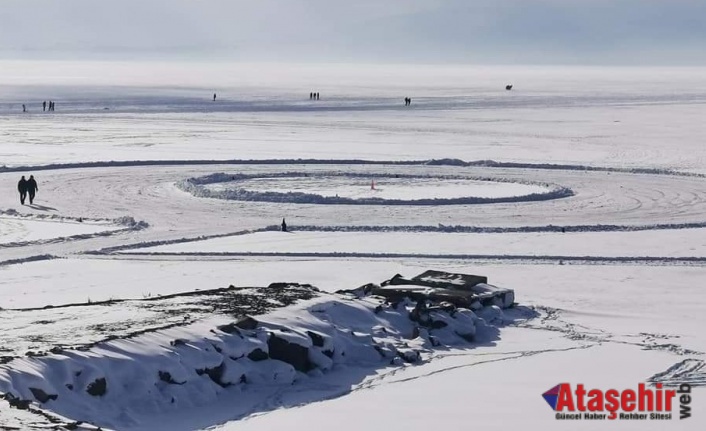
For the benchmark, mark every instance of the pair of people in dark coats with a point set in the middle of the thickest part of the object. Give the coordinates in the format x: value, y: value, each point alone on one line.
x: 27, y: 187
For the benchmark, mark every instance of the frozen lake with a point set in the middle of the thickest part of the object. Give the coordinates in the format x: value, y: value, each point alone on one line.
x: 618, y: 294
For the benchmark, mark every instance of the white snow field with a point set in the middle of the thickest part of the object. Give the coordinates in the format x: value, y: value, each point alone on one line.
x: 583, y: 189
x: 16, y: 231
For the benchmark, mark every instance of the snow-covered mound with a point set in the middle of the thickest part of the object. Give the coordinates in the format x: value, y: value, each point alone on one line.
x: 123, y: 382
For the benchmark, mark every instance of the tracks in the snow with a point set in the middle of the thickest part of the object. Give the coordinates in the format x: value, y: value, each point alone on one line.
x: 606, y: 200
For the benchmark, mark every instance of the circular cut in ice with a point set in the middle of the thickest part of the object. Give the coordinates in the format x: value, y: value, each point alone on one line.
x: 368, y: 189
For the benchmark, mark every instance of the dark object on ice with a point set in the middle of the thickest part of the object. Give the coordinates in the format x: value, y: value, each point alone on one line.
x: 24, y: 108
x: 438, y: 287
x: 214, y: 97
x: 284, y: 226
x: 563, y: 230
x: 407, y: 101
x: 508, y: 87
x: 42, y: 396
x: 317, y: 95
x: 98, y: 387
x: 22, y: 188
x: 44, y: 106
x: 32, y: 188
x: 294, y: 354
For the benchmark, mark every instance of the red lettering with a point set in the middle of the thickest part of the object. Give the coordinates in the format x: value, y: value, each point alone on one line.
x: 668, y: 395
x: 612, y: 403
x: 645, y: 398
x: 658, y: 397
x: 580, y: 392
x: 595, y: 402
x: 565, y: 399
x: 627, y: 400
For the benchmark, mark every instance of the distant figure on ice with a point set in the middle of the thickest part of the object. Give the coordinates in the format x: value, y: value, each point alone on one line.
x: 284, y: 226
x: 32, y: 188
x: 311, y: 96
x: 24, y: 108
x: 22, y: 188
x: 214, y: 97
x: 317, y: 95
x: 508, y: 87
x: 44, y: 106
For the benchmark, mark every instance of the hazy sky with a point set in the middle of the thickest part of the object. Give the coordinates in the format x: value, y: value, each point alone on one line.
x: 428, y: 31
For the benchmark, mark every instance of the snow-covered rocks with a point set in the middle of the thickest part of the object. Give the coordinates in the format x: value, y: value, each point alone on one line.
x: 463, y: 290
x: 307, y: 335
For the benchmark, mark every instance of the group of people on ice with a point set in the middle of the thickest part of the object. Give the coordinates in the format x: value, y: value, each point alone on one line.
x: 27, y: 187
x: 313, y: 96
x: 44, y: 106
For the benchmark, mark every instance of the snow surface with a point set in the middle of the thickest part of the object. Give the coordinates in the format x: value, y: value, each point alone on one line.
x: 601, y: 244
x: 15, y: 230
x: 619, y: 295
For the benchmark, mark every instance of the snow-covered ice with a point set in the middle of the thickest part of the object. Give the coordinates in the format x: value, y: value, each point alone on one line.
x: 614, y: 157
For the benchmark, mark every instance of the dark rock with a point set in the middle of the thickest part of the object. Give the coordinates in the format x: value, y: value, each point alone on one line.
x: 379, y: 350
x: 69, y: 386
x: 215, y: 373
x: 294, y: 354
x: 16, y: 402
x: 328, y: 353
x: 178, y: 342
x: 378, y: 309
x: 42, y: 396
x: 316, y: 339
x: 248, y: 323
x: 361, y: 291
x: 56, y: 350
x: 243, y: 379
x: 409, y: 356
x: 468, y: 337
x: 229, y: 329
x: 438, y: 324
x: 258, y: 355
x: 98, y: 387
x: 166, y: 377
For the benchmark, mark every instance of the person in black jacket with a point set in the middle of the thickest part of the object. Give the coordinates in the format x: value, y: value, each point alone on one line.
x: 32, y: 188
x: 22, y: 188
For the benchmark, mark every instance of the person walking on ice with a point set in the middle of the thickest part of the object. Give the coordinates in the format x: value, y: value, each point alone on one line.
x: 31, y: 188
x: 284, y: 226
x: 22, y: 188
